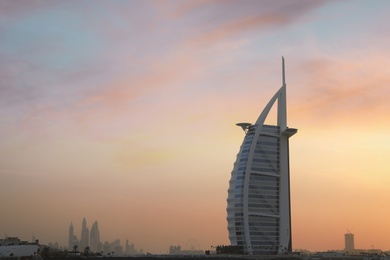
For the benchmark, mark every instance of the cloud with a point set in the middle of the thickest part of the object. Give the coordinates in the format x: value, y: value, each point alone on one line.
x: 112, y: 83
x: 354, y: 91
x: 226, y: 19
x: 240, y: 26
x: 22, y: 7
x: 13, y: 88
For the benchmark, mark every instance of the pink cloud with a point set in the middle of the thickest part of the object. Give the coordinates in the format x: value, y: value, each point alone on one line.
x: 225, y: 19
x: 23, y: 7
x: 352, y: 90
x: 240, y: 26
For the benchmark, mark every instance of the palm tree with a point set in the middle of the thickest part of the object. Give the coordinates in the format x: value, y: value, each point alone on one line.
x: 75, y: 249
x: 86, y: 251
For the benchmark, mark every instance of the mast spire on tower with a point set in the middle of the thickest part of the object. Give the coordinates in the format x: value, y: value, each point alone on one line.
x: 283, y: 76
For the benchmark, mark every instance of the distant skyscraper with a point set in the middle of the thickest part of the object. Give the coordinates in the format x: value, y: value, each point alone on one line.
x: 95, y: 238
x: 349, y: 242
x: 130, y: 248
x: 71, y: 237
x: 84, y: 240
x: 258, y: 204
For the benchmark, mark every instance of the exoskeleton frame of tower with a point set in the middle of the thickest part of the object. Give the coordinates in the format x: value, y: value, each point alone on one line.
x: 258, y: 204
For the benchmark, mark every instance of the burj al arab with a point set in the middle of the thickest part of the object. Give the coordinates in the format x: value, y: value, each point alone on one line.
x: 258, y: 203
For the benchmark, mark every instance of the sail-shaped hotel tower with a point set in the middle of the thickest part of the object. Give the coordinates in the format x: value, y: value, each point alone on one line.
x: 258, y: 204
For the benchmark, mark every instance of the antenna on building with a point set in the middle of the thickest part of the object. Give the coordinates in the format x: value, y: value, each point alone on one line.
x: 348, y: 230
x: 284, y: 75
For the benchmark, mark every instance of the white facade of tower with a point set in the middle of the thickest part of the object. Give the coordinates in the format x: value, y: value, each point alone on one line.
x: 258, y: 210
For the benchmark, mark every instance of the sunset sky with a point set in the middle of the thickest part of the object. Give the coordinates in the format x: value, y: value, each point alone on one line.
x: 124, y: 112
